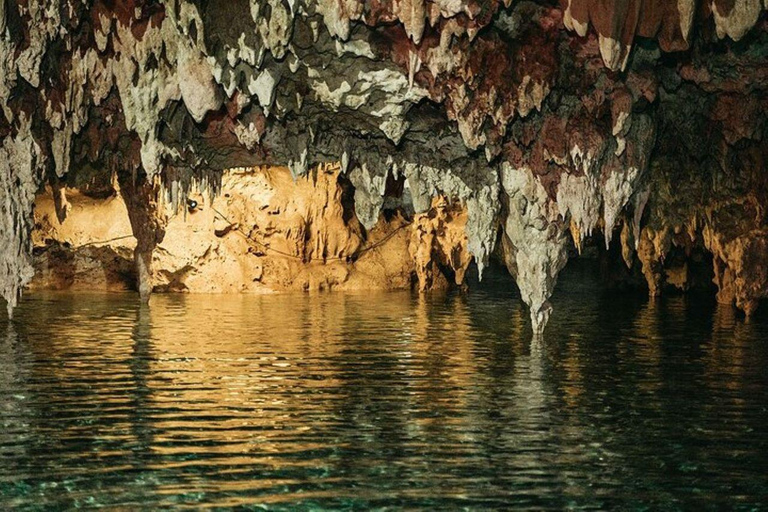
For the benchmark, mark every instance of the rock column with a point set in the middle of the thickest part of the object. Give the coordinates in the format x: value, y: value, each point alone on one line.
x: 148, y: 223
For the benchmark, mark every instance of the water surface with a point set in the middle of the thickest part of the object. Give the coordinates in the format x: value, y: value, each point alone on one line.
x: 359, y: 401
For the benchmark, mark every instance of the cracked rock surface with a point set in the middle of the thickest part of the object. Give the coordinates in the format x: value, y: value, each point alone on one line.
x: 535, y: 125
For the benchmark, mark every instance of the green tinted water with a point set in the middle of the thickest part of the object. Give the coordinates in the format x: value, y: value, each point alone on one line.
x: 358, y: 401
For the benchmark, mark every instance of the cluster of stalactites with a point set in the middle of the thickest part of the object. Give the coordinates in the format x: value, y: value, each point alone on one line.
x: 534, y: 225
x: 733, y: 232
x: 669, y: 22
x: 157, y: 59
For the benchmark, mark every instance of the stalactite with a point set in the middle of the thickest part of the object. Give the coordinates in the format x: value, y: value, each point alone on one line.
x: 539, y: 120
x: 148, y: 221
x: 21, y: 164
x: 439, y: 238
x: 535, y: 248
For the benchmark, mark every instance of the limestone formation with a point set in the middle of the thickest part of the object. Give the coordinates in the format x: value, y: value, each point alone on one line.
x: 439, y: 239
x: 537, y: 125
x: 263, y: 232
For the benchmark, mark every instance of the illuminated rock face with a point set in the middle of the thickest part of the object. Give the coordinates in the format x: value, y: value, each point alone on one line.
x: 530, y: 121
x: 263, y: 232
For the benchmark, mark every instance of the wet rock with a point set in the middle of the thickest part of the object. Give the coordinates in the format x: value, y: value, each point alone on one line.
x: 534, y: 242
x: 541, y: 120
x: 439, y: 239
x: 263, y: 232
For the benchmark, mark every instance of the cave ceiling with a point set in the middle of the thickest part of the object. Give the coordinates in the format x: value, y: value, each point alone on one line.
x: 546, y: 118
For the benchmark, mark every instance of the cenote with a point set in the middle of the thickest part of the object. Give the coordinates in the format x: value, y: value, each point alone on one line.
x: 349, y: 401
x: 384, y: 255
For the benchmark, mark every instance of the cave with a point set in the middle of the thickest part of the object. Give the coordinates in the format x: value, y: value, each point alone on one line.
x: 352, y: 155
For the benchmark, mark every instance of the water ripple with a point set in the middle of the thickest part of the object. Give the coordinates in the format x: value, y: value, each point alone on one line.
x: 360, y: 401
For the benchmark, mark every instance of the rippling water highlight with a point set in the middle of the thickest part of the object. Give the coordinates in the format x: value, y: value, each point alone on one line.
x: 359, y: 401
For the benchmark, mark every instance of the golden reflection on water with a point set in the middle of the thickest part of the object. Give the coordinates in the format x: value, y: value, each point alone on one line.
x: 363, y: 398
x: 255, y: 381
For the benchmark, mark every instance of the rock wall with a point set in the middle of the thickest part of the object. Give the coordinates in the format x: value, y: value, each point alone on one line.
x: 262, y: 232
x: 528, y: 121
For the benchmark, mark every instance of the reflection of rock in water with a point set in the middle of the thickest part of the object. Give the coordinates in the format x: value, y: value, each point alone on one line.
x: 533, y: 403
x: 14, y: 411
x: 730, y: 347
x: 378, y: 399
x: 142, y: 427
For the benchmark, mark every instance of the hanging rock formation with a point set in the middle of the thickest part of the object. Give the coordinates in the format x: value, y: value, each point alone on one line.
x: 439, y: 239
x: 531, y: 121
